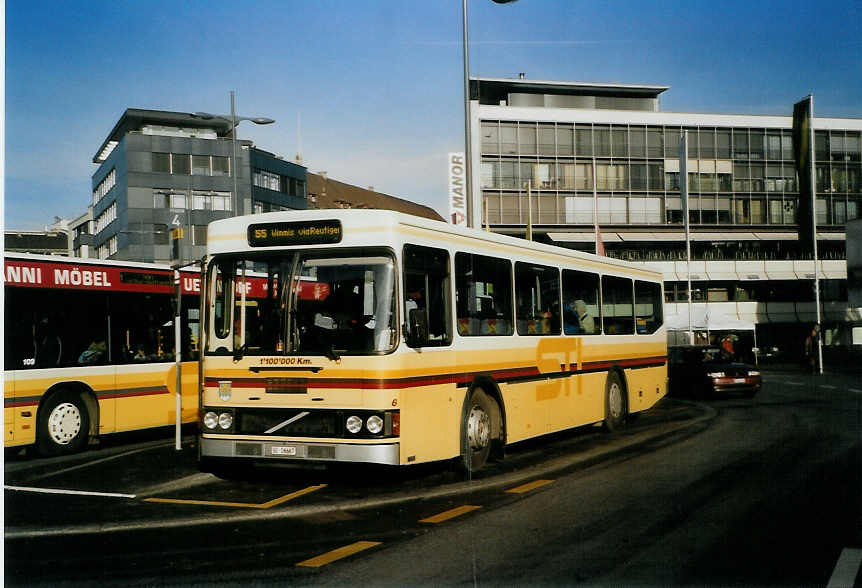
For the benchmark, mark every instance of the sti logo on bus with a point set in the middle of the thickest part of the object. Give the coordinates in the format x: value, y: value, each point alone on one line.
x: 294, y: 233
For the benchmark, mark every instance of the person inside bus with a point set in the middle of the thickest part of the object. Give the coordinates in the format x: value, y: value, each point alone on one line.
x: 578, y: 321
x: 93, y: 354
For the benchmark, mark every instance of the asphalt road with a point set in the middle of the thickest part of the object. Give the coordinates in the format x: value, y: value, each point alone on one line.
x: 730, y: 491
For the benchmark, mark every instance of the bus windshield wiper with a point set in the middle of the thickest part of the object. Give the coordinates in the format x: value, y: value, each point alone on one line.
x: 238, y: 353
x: 332, y: 354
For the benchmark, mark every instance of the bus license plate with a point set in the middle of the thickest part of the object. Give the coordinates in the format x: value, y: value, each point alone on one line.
x: 282, y: 450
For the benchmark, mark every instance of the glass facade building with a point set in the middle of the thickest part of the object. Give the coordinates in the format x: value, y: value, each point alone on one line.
x: 608, y: 152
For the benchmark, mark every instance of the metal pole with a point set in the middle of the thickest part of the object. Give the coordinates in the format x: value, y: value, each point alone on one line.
x: 683, y: 191
x: 233, y: 147
x: 467, y: 142
x: 595, y: 206
x: 178, y: 353
x: 529, y: 210
x: 814, y: 233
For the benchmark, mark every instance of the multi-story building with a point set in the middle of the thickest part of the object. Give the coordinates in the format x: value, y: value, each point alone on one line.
x: 578, y: 145
x: 159, y: 170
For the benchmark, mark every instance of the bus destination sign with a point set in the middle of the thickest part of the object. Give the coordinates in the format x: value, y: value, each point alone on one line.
x: 321, y: 232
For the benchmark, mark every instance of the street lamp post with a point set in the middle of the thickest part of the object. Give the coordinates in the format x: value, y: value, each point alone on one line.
x: 468, y: 168
x: 234, y: 120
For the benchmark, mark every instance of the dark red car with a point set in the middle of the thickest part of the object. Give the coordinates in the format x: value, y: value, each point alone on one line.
x: 700, y: 371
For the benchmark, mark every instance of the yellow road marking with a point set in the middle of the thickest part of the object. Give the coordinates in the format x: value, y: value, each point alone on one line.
x: 336, y: 554
x: 269, y: 504
x: 528, y: 487
x: 450, y: 514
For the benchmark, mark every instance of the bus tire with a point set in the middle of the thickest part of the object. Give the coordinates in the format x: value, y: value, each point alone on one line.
x: 615, y: 403
x: 477, y: 430
x: 63, y: 425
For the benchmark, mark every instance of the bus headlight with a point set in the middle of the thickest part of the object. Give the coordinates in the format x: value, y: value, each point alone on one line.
x: 211, y: 420
x: 374, y: 424
x: 225, y: 420
x: 354, y: 424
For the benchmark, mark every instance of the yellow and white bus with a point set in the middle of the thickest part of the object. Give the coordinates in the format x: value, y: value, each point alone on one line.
x: 89, y: 350
x: 403, y: 340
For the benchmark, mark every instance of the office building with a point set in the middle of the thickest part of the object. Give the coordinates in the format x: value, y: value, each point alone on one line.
x: 576, y: 144
x: 161, y: 170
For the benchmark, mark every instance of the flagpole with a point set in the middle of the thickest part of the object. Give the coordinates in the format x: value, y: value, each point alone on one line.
x: 814, y: 230
x: 683, y: 192
x: 595, y: 206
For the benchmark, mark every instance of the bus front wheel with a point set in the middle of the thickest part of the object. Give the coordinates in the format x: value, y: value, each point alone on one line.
x: 615, y: 403
x: 478, y: 430
x: 63, y: 425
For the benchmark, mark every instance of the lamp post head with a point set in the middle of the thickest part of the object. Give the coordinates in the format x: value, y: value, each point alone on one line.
x: 261, y: 120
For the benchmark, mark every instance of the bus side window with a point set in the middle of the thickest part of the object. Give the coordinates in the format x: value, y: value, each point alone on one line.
x: 581, y: 312
x: 617, y: 305
x: 648, y: 307
x: 483, y: 295
x: 427, y: 296
x: 537, y: 291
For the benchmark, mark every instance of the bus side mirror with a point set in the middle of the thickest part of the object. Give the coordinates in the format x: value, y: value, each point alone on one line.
x: 417, y: 327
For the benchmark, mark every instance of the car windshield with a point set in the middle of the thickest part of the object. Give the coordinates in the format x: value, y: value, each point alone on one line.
x: 339, y: 304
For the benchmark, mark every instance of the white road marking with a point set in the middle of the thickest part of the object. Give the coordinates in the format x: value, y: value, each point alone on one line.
x: 827, y: 387
x: 846, y: 569
x: 72, y: 492
x: 794, y: 383
x: 855, y: 390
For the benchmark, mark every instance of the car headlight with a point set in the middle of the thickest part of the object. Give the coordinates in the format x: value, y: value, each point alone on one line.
x: 225, y: 420
x: 753, y: 373
x: 210, y: 420
x: 374, y: 424
x: 354, y: 424
x: 716, y: 374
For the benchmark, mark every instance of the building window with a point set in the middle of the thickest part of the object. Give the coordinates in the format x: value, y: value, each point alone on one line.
x: 105, y: 186
x: 221, y: 165
x: 201, y: 165
x: 162, y: 162
x: 178, y: 200
x: 220, y: 200
x: 181, y: 164
x: 107, y: 217
x: 267, y: 180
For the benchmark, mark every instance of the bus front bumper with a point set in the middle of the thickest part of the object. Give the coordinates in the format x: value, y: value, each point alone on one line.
x: 382, y: 453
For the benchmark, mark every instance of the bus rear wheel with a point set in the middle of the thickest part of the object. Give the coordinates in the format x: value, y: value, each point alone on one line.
x: 615, y: 403
x: 63, y: 425
x: 478, y: 430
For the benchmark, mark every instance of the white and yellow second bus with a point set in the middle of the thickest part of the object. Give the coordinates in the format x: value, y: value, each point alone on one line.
x: 400, y: 340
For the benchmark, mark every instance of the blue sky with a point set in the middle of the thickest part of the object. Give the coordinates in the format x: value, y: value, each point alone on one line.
x: 378, y: 84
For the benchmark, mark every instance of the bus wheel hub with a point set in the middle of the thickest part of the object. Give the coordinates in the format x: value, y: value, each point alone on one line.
x: 64, y: 423
x: 478, y: 428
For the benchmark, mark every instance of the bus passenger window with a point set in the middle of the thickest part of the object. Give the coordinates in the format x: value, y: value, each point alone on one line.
x: 426, y: 296
x: 483, y: 295
x: 537, y: 292
x: 581, y: 314
x: 617, y: 307
x: 648, y: 306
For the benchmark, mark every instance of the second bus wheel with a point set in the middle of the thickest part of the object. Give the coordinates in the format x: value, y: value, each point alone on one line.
x: 615, y: 402
x: 477, y: 430
x: 63, y: 424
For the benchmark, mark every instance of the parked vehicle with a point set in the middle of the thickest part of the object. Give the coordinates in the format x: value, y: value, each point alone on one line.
x: 700, y: 371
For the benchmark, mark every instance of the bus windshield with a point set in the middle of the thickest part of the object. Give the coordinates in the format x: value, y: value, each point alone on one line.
x: 339, y: 304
